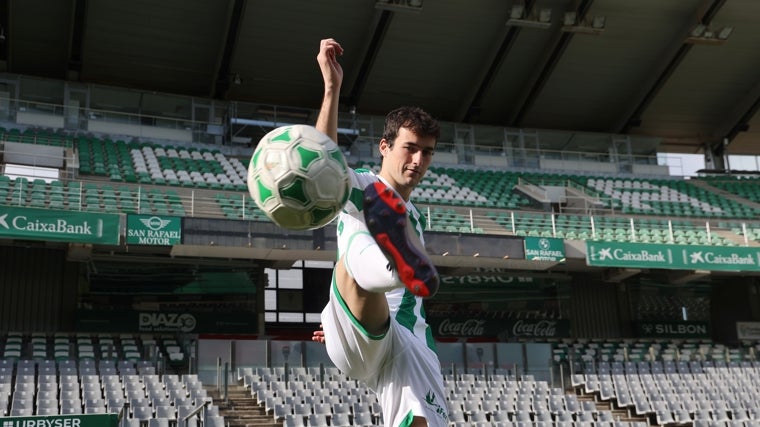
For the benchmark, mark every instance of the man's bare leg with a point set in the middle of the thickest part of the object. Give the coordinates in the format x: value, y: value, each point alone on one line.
x: 419, y: 422
x: 369, y: 308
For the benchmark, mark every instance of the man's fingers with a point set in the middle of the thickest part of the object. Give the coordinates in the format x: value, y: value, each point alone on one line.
x: 332, y: 47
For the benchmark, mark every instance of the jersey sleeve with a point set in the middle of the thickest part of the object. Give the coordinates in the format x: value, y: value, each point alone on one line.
x: 360, y: 179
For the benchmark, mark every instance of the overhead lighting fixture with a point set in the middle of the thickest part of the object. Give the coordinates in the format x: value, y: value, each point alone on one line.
x: 237, y: 80
x: 599, y: 22
x: 704, y: 34
x: 594, y: 25
x: 545, y: 15
x: 699, y: 30
x: 725, y: 33
x: 570, y: 19
x: 517, y: 11
x: 519, y: 17
x: 411, y: 6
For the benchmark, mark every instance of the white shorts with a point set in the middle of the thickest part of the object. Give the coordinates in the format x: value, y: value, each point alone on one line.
x: 402, y: 370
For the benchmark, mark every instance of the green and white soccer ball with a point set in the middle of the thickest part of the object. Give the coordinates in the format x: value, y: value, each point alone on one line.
x: 298, y: 177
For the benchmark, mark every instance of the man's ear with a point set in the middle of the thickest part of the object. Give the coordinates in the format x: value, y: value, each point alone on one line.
x: 384, y: 146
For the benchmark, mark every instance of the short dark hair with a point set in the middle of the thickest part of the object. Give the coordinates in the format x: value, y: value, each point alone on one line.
x: 415, y: 119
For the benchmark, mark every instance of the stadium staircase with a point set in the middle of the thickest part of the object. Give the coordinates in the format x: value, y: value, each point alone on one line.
x: 735, y: 238
x: 578, y: 201
x: 241, y: 409
x: 593, y: 400
x: 723, y: 193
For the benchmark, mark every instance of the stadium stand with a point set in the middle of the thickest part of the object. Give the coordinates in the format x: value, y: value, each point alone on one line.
x: 621, y: 384
x: 473, y: 399
x: 744, y: 187
x: 103, y: 374
x: 164, y: 180
x: 613, y: 382
x: 679, y: 391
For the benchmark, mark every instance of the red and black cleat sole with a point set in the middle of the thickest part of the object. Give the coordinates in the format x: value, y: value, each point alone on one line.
x: 385, y: 215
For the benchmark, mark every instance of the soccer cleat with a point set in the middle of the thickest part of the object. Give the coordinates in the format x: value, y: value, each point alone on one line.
x: 385, y: 215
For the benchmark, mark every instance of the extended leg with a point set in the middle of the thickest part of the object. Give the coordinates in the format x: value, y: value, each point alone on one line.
x: 385, y: 214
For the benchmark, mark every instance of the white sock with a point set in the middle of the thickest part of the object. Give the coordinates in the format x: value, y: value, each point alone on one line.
x: 367, y: 264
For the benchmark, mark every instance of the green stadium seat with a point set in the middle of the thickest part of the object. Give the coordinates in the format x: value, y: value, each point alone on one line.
x: 127, y: 205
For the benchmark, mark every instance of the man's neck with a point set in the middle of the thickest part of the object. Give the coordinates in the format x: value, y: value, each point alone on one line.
x: 402, y: 192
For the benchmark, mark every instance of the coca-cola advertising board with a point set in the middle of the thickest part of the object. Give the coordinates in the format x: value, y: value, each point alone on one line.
x: 468, y: 327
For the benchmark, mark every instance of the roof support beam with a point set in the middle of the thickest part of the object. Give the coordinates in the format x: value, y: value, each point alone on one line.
x: 76, y: 40
x: 486, y: 78
x: 737, y: 120
x: 671, y: 59
x: 223, y: 76
x: 5, y: 57
x: 743, y: 122
x: 382, y: 23
x: 550, y: 62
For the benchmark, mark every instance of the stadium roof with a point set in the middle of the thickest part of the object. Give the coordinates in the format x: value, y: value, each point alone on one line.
x: 641, y: 67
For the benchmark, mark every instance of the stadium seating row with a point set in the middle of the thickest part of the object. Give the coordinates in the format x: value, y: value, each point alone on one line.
x: 314, y: 397
x: 36, y: 136
x: 692, y: 392
x: 453, y: 193
x: 699, y: 393
x: 153, y: 164
x: 159, y: 165
x: 83, y: 352
x: 746, y: 188
x: 104, y: 197
x: 90, y: 197
x: 37, y: 388
x: 663, y: 355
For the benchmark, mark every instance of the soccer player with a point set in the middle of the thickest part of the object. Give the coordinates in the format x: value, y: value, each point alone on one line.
x: 373, y: 325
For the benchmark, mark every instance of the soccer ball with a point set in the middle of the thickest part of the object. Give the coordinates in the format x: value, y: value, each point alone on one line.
x: 298, y: 177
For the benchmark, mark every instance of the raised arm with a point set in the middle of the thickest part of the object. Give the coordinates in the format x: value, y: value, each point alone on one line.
x: 332, y: 73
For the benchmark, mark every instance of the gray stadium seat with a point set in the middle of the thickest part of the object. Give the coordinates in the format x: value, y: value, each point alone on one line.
x: 477, y: 417
x: 340, y: 420
x: 317, y: 420
x: 165, y: 410
x: 142, y: 412
x: 17, y: 411
x: 302, y: 409
x: 292, y: 420
x: 363, y: 419
x: 456, y: 415
x: 47, y: 410
x: 281, y: 410
x: 214, y: 421
x: 158, y: 422
x: 323, y: 409
x: 184, y: 411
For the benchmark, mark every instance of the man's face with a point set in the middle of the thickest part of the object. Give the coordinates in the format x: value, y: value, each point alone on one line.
x: 407, y: 160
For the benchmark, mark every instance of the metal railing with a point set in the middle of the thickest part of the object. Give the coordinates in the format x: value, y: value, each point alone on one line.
x: 208, y: 203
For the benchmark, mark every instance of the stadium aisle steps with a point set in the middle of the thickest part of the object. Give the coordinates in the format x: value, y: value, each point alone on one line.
x: 715, y: 187
x: 735, y: 238
x: 241, y: 410
x: 618, y: 414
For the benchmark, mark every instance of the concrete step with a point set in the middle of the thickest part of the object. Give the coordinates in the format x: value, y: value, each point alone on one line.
x: 240, y: 409
x: 609, y: 405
